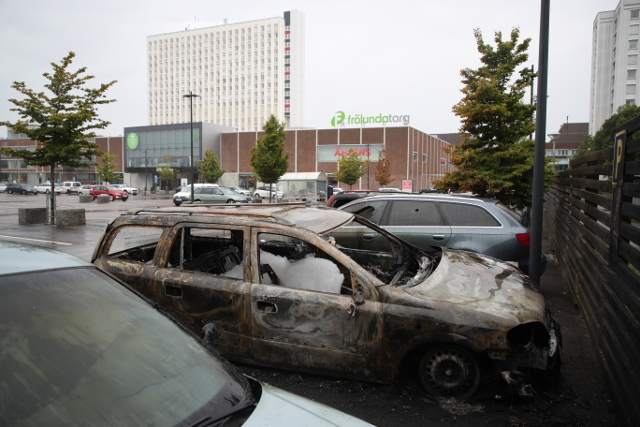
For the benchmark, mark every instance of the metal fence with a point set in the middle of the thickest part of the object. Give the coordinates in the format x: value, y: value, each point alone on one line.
x: 592, y: 220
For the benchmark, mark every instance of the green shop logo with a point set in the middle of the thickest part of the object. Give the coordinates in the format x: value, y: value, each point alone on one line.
x: 340, y: 118
x: 337, y: 119
x: 132, y: 140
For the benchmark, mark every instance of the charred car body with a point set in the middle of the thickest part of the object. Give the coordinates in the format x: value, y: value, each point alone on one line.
x: 284, y: 286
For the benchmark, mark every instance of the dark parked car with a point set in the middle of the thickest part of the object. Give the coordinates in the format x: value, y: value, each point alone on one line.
x: 293, y: 287
x: 345, y: 197
x: 80, y: 348
x: 18, y: 188
x: 467, y: 223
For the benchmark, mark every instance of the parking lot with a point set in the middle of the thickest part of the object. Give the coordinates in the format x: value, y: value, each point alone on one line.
x: 577, y: 396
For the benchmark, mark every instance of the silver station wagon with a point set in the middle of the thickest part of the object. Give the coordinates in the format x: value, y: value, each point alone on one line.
x: 478, y: 225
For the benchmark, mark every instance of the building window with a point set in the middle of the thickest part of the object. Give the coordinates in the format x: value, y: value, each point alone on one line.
x: 631, y: 102
x: 632, y: 59
x: 633, y: 44
x: 631, y: 89
x: 631, y: 74
x: 635, y: 13
x: 424, y: 158
x: 415, y: 156
x: 633, y: 29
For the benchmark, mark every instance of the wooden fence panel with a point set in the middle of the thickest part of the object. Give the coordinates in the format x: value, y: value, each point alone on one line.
x: 593, y: 223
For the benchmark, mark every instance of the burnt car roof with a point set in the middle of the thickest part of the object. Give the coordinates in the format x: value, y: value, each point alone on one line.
x: 315, y: 218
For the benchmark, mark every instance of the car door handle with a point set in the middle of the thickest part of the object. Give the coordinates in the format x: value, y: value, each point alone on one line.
x: 438, y: 237
x: 267, y: 307
x: 367, y: 237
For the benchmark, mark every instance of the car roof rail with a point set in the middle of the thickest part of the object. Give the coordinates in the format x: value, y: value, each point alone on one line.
x: 220, y: 209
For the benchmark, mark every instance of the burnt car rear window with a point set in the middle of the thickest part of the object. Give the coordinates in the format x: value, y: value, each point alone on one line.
x: 463, y: 215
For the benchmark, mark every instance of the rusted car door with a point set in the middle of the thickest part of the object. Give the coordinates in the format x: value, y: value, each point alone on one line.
x: 201, y: 281
x: 189, y: 278
x: 309, y: 329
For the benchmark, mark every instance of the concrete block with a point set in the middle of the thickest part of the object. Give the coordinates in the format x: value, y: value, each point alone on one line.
x: 85, y: 198
x: 28, y: 216
x: 103, y: 198
x: 69, y: 217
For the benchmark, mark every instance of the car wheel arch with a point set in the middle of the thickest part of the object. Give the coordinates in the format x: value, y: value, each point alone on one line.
x: 419, y: 344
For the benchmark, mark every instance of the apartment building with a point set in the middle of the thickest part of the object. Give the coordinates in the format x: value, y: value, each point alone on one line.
x: 242, y: 73
x: 614, y: 62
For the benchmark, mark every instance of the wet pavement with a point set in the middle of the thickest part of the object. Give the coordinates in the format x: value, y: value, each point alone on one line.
x: 78, y: 240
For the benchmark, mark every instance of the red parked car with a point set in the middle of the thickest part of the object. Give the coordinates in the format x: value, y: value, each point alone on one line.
x: 113, y: 192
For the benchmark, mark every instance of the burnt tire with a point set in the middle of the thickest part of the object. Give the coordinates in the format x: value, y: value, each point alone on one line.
x: 449, y: 371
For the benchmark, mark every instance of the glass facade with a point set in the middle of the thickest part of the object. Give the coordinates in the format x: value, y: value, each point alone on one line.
x: 147, y: 147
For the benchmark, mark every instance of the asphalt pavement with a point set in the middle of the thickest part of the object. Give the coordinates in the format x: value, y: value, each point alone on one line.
x: 78, y: 240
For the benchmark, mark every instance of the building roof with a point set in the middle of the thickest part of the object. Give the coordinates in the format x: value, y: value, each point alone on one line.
x: 451, y: 138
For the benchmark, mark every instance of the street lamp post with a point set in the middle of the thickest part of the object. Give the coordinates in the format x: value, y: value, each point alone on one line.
x: 146, y: 172
x: 553, y: 137
x: 191, y: 95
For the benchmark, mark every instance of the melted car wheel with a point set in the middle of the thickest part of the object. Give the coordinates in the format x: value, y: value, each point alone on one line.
x: 449, y: 371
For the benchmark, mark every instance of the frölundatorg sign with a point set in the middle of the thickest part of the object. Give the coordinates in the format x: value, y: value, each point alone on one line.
x: 340, y: 118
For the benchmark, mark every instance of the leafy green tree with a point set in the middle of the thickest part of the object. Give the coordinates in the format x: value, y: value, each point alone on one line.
x: 383, y: 169
x: 210, y: 167
x: 603, y: 138
x: 61, y: 121
x: 496, y: 156
x: 166, y: 171
x: 105, y: 170
x: 269, y: 159
x: 351, y: 167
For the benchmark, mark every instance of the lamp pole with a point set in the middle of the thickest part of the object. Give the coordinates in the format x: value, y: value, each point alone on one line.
x: 553, y: 137
x: 191, y: 95
x: 146, y: 172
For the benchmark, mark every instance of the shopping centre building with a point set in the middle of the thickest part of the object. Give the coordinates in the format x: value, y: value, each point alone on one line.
x: 416, y: 158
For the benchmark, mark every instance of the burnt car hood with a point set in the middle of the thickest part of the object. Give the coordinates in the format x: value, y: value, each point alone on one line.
x: 483, y: 284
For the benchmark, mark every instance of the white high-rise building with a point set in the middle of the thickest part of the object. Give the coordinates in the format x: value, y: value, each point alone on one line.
x: 242, y: 72
x: 614, y: 62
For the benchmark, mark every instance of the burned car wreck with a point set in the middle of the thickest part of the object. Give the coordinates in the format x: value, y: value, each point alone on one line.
x: 296, y: 287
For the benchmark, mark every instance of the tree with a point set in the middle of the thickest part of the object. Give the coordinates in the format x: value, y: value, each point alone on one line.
x: 496, y: 157
x: 351, y: 167
x: 383, y: 169
x: 105, y: 170
x: 61, y: 121
x: 166, y: 171
x: 603, y: 138
x: 269, y: 160
x: 210, y: 167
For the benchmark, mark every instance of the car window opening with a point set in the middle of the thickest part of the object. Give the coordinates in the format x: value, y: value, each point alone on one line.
x: 392, y: 262
x: 207, y: 250
x: 293, y: 263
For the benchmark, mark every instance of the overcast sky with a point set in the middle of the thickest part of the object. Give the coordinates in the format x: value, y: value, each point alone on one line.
x: 367, y: 57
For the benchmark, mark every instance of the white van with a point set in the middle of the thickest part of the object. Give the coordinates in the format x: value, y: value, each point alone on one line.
x: 71, y: 187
